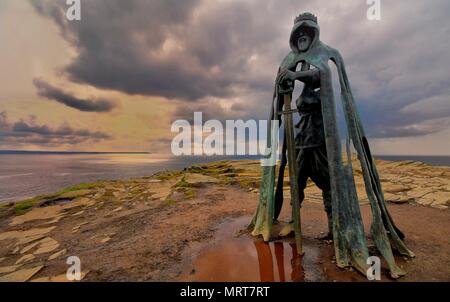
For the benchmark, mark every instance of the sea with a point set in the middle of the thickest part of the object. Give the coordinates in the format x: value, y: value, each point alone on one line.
x: 25, y: 175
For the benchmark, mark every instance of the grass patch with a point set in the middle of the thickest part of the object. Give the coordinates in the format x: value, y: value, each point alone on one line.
x: 170, y: 202
x: 83, y: 186
x: 221, y: 168
x: 79, y: 187
x: 182, y: 183
x: 188, y: 189
x: 189, y: 193
x: 167, y: 175
x: 249, y: 183
x: 223, y: 171
x: 24, y: 206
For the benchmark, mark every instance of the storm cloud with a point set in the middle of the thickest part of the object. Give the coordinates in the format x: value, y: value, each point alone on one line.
x: 211, y: 52
x: 52, y: 93
x: 24, y: 132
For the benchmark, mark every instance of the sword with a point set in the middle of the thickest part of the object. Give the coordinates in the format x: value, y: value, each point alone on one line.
x: 289, y: 132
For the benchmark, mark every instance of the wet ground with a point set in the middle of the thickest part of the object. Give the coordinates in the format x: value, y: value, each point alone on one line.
x: 235, y: 255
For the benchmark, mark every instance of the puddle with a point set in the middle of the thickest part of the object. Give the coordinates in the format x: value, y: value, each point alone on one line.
x: 247, y: 259
x: 56, y: 201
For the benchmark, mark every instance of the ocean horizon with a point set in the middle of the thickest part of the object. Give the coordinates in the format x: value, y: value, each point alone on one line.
x: 25, y: 174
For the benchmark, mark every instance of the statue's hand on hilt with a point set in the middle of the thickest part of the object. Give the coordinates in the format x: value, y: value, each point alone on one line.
x: 287, y: 79
x: 286, y: 82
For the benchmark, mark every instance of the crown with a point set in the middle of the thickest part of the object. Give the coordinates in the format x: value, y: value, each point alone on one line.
x: 305, y: 17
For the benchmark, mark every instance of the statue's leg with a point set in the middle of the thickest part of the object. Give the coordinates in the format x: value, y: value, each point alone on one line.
x: 303, y: 171
x: 321, y: 177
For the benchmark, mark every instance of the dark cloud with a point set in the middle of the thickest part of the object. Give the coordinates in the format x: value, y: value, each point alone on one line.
x: 201, y: 51
x: 211, y: 109
x: 176, y: 49
x: 52, y: 93
x: 29, y: 132
x: 411, y: 130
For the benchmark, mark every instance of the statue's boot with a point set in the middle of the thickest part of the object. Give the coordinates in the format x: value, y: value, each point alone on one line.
x: 288, y: 230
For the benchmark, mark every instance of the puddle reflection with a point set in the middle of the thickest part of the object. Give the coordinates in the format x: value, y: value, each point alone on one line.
x: 267, y: 265
x: 244, y: 258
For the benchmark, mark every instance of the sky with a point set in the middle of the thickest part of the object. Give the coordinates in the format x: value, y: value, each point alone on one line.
x: 118, y: 79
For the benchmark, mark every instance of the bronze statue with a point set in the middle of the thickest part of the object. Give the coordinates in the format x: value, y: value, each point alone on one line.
x: 316, y: 152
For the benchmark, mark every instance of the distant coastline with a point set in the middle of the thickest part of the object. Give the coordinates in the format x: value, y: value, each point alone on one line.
x: 435, y: 160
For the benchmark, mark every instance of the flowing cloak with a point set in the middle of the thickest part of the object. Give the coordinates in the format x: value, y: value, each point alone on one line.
x: 348, y: 230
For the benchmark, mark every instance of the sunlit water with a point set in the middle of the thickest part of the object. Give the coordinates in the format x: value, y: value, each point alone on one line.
x: 27, y: 175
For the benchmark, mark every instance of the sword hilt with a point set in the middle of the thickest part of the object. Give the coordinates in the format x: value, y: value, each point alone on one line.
x: 288, y: 111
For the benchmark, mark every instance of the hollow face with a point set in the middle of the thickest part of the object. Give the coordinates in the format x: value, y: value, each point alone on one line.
x: 304, y: 38
x: 304, y: 42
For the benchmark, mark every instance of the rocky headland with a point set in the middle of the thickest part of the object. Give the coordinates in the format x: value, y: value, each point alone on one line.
x: 158, y: 228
